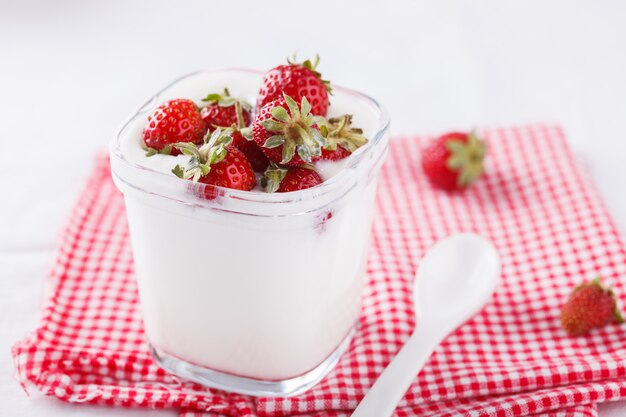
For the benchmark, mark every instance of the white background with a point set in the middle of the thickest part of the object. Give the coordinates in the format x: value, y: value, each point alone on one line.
x: 72, y: 71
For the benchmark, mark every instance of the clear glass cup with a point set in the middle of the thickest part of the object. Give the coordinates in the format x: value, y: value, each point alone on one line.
x: 249, y: 292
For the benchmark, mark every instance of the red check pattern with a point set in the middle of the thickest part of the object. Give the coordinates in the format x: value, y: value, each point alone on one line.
x: 537, y: 206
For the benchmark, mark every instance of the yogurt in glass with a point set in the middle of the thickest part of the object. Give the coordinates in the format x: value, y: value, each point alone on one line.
x: 250, y: 292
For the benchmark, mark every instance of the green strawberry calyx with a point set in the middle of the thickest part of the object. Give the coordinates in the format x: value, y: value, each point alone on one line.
x: 166, y: 150
x: 246, y: 131
x: 338, y: 131
x: 295, y: 129
x: 272, y: 178
x: 211, y: 152
x: 467, y: 159
x: 225, y: 100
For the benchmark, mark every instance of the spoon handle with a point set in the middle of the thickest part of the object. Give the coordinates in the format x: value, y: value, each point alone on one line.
x: 384, y: 396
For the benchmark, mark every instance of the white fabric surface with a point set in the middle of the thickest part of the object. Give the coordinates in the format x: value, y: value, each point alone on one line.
x: 72, y: 71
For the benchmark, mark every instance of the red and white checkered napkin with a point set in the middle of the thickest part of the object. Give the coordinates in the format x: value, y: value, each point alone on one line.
x: 535, y: 204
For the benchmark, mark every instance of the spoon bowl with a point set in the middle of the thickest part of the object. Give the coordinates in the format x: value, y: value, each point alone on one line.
x: 455, y: 279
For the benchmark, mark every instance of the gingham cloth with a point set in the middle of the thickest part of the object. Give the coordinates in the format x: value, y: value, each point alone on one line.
x: 536, y: 205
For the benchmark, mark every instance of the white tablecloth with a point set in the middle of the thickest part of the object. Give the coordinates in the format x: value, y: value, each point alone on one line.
x: 72, y: 71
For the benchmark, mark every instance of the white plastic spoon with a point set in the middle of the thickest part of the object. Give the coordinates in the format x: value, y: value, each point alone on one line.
x: 456, y: 277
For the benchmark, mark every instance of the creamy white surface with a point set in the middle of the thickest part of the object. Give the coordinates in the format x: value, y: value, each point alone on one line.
x: 263, y: 304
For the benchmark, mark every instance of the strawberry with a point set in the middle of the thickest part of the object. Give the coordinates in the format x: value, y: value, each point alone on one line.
x: 234, y: 171
x: 220, y: 110
x: 284, y: 180
x: 341, y: 138
x: 251, y: 150
x: 336, y: 155
x: 290, y: 137
x: 216, y: 163
x: 242, y: 140
x: 297, y: 80
x: 589, y: 306
x: 454, y: 160
x: 173, y: 122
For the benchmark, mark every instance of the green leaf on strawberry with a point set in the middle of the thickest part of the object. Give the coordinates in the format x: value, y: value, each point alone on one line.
x: 290, y: 129
x: 273, y: 177
x: 338, y: 131
x: 210, y: 153
x: 467, y: 159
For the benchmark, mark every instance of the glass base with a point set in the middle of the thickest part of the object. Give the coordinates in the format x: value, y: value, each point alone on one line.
x: 250, y: 386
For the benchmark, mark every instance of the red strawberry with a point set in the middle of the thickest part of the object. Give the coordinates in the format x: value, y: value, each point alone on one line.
x: 297, y: 80
x: 172, y: 122
x: 290, y: 137
x: 221, y: 111
x: 589, y: 306
x: 454, y: 161
x: 234, y: 171
x: 341, y: 138
x: 238, y: 139
x: 216, y: 163
x: 337, y: 154
x: 242, y: 140
x: 284, y: 180
x: 255, y: 155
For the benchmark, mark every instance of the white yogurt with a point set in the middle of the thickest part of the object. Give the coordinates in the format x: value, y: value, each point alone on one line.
x: 255, y: 285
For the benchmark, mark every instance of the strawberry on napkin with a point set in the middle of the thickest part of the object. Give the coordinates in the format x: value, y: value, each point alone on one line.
x: 513, y: 359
